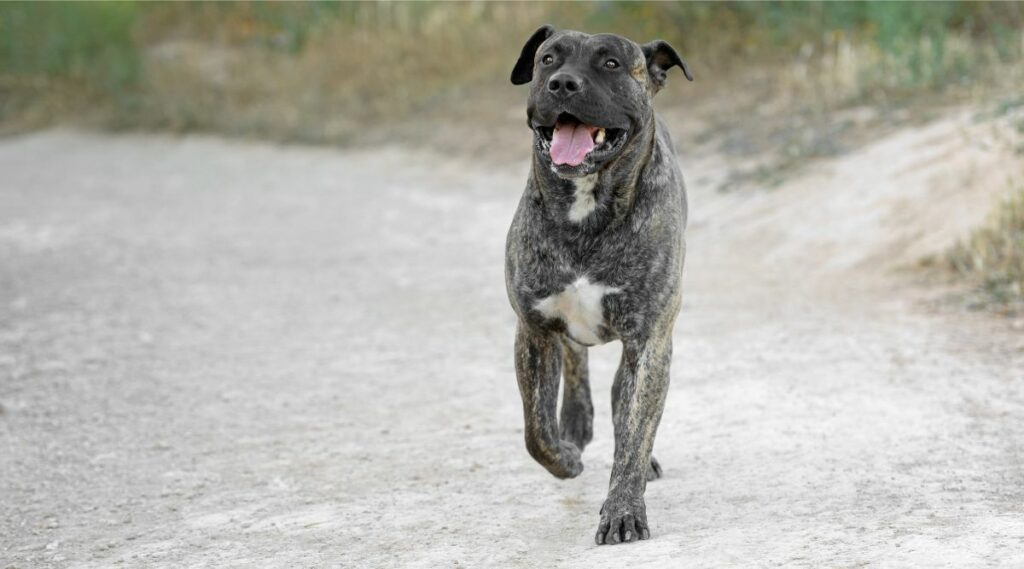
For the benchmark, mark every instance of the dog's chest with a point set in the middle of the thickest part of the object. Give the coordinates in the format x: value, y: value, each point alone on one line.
x: 580, y: 306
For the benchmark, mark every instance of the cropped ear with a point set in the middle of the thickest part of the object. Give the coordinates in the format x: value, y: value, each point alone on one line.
x: 660, y: 58
x: 523, y: 71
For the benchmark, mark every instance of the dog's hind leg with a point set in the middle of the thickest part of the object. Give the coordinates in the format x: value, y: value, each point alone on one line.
x: 654, y: 472
x: 538, y: 370
x: 577, y: 420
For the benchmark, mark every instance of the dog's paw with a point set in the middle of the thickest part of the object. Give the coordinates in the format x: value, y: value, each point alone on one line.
x: 567, y: 463
x: 571, y: 459
x: 654, y: 470
x: 622, y: 521
x: 577, y: 423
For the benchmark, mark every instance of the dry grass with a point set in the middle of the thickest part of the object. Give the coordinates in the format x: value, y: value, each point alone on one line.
x: 360, y: 72
x: 993, y: 256
x: 368, y: 66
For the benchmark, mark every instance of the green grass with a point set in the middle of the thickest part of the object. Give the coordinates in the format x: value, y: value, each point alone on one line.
x: 993, y: 256
x: 70, y: 40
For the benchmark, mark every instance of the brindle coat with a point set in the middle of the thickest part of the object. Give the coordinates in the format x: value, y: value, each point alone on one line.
x: 631, y: 243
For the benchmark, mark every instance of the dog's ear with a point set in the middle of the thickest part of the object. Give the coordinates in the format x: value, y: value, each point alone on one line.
x: 523, y: 71
x: 660, y: 58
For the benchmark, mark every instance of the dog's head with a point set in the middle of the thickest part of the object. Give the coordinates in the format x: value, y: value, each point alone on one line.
x: 591, y: 95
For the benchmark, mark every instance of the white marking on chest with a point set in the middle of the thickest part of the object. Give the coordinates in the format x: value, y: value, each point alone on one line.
x: 579, y: 306
x: 584, y: 200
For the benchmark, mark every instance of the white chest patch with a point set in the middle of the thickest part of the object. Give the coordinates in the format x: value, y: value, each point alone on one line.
x: 584, y: 199
x: 579, y: 306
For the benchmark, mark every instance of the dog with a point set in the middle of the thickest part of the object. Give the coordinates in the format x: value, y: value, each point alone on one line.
x: 595, y: 253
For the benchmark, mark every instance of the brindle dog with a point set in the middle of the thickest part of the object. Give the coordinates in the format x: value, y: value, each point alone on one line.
x: 595, y: 254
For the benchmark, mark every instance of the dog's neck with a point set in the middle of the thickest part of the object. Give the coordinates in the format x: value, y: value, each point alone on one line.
x: 593, y: 202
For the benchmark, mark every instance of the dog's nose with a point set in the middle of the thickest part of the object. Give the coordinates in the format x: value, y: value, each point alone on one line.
x: 565, y: 84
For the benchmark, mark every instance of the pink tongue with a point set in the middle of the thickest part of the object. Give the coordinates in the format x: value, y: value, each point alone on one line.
x: 571, y: 143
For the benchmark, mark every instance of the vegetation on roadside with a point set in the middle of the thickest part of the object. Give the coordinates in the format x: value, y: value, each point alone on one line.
x: 324, y: 71
x: 993, y: 256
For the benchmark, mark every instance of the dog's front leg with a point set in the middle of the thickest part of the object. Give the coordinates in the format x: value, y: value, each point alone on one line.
x: 638, y: 399
x: 538, y: 370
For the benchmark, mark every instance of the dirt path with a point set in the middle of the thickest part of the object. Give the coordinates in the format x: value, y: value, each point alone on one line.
x: 216, y: 354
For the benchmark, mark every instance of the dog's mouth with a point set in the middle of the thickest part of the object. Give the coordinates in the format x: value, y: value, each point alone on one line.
x: 571, y: 142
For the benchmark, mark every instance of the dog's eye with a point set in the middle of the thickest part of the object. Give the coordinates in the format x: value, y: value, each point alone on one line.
x: 547, y: 60
x: 611, y: 64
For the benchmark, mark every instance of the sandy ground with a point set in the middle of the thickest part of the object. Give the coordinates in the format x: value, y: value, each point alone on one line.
x: 217, y: 354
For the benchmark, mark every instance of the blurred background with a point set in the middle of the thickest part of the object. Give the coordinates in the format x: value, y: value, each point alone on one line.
x: 252, y: 309
x: 785, y: 82
x: 321, y: 72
